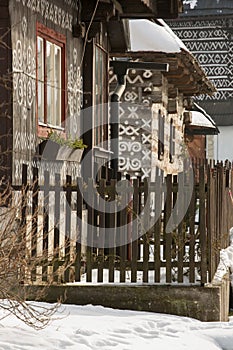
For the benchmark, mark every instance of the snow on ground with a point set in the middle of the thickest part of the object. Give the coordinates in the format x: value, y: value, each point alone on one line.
x: 139, y: 277
x: 95, y: 327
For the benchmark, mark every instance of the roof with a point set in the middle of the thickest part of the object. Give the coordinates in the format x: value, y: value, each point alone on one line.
x: 221, y: 111
x: 155, y: 41
x: 150, y: 8
x: 201, y: 123
x: 207, y: 7
x: 150, y: 36
x: 199, y: 119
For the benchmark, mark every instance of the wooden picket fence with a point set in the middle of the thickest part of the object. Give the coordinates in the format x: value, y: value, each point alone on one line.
x: 168, y: 231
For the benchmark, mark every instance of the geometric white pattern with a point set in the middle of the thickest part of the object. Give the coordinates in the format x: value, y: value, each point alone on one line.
x: 75, y: 92
x: 49, y: 11
x: 135, y: 123
x: 210, y: 42
x: 24, y: 73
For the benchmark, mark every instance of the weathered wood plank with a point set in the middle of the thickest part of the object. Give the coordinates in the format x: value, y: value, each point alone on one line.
x: 102, y: 229
x: 202, y: 223
x: 157, y: 227
x: 146, y: 235
x: 80, y: 231
x: 135, y: 231
x: 111, y: 222
x: 46, y: 225
x: 90, y: 229
x: 167, y: 237
x: 181, y: 227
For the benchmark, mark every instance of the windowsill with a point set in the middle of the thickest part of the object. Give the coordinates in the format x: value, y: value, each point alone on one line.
x: 101, y: 152
x: 43, y: 129
x: 51, y: 126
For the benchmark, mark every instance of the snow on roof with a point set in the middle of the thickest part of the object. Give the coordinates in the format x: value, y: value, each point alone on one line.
x: 199, y: 119
x: 191, y: 3
x: 146, y: 35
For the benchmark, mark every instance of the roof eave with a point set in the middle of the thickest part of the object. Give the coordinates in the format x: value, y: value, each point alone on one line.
x: 191, y: 80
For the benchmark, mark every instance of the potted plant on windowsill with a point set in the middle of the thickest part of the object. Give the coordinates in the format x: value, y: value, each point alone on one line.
x: 57, y: 147
x: 71, y: 150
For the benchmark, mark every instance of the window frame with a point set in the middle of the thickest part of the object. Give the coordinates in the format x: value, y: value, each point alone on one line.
x: 100, y: 110
x: 161, y: 135
x: 172, y: 141
x: 58, y: 39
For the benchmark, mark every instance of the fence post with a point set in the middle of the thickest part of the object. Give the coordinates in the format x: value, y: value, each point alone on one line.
x: 46, y: 227
x: 159, y: 185
x: 90, y: 229
x: 202, y: 224
x: 146, y: 235
x: 102, y: 229
x: 135, y: 231
x: 80, y: 225
x: 167, y: 237
x: 34, y: 232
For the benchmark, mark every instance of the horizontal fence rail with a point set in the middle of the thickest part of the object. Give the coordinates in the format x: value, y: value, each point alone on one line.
x: 126, y: 230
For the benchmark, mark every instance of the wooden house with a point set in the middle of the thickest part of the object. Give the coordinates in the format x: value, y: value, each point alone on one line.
x: 199, y: 132
x: 206, y: 28
x: 54, y: 62
x: 155, y: 105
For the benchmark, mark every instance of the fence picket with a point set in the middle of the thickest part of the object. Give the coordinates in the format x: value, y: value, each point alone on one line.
x: 167, y: 238
x: 102, y: 225
x: 80, y: 231
x: 46, y: 226
x: 202, y: 223
x: 122, y: 231
x: 135, y: 231
x: 157, y: 227
x: 90, y: 229
x: 56, y: 243
x: 196, y: 243
x: 146, y: 235
x: 181, y: 228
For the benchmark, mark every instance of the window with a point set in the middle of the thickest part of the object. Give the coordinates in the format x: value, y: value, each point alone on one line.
x: 100, y: 97
x: 172, y: 142
x: 161, y: 122
x: 50, y: 77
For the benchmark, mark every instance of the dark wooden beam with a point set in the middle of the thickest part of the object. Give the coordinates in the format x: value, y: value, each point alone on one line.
x: 105, y: 10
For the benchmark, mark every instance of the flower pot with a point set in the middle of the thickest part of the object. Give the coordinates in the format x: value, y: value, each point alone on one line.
x: 64, y: 153
x: 48, y: 150
x: 76, y: 155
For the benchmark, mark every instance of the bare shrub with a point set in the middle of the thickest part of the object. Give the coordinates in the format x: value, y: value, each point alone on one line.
x: 26, y: 259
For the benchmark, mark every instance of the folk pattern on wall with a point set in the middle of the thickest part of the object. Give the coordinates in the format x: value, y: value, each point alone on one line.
x: 75, y: 93
x: 24, y: 87
x: 211, y: 42
x: 135, y: 124
x: 24, y: 73
x: 49, y: 11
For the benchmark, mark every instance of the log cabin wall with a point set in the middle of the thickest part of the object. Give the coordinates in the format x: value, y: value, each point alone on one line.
x: 151, y: 124
x: 96, y: 96
x: 197, y: 146
x: 6, y: 120
x: 55, y: 16
x: 206, y: 28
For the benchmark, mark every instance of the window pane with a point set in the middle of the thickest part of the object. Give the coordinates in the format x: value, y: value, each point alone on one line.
x: 50, y: 81
x: 57, y: 85
x: 100, y: 98
x: 97, y: 87
x: 40, y: 77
